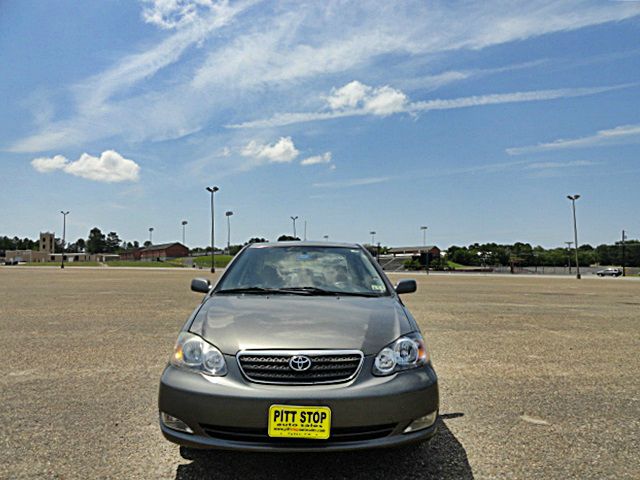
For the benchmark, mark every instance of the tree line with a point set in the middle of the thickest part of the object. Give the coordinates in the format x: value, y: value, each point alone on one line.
x: 478, y: 255
x: 526, y: 255
x: 96, y: 242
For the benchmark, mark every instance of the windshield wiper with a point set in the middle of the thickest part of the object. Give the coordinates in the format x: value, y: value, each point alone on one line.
x: 322, y: 291
x: 297, y: 291
x: 249, y: 290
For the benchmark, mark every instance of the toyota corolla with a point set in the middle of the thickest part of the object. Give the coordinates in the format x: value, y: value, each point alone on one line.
x: 300, y: 346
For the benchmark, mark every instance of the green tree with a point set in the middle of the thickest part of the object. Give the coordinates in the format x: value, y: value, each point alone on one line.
x: 287, y: 238
x: 234, y: 249
x: 96, y: 243
x: 112, y: 242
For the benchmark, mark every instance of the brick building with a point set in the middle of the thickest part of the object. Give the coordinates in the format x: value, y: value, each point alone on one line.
x: 164, y: 251
x: 131, y: 254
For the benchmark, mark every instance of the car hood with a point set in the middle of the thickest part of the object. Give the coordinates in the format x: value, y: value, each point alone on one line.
x: 242, y: 322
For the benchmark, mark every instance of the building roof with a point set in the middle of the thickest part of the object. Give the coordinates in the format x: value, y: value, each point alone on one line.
x: 160, y: 246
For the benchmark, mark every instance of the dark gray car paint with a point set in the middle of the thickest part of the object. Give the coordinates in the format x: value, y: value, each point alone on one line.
x: 234, y: 322
x: 239, y: 322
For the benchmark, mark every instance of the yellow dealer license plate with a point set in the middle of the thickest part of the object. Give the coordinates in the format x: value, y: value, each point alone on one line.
x: 292, y: 421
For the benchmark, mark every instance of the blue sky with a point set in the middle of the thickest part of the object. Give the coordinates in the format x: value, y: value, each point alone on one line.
x: 473, y: 118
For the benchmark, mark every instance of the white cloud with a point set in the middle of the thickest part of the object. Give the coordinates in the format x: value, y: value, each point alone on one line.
x: 46, y: 164
x: 358, y: 96
x: 283, y: 151
x: 110, y: 167
x: 385, y: 100
x: 170, y: 14
x: 614, y: 136
x: 317, y: 159
x: 349, y: 96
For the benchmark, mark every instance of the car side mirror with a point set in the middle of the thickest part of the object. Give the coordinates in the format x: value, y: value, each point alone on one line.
x: 201, y: 285
x: 408, y: 285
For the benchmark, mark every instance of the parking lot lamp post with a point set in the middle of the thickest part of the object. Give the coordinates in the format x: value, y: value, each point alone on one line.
x: 294, y: 225
x: 569, y: 255
x: 624, y: 254
x: 184, y: 224
x: 64, y: 234
x: 373, y: 238
x: 326, y: 237
x: 151, y: 235
x: 212, y: 190
x: 228, y: 214
x: 573, y: 199
x: 424, y: 235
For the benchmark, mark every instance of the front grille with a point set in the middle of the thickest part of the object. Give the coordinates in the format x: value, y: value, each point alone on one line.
x: 259, y: 435
x: 326, y: 366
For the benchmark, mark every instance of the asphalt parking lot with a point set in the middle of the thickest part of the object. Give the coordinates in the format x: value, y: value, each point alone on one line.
x: 538, y: 378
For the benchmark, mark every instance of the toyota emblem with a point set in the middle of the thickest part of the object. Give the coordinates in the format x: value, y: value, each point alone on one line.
x: 299, y: 363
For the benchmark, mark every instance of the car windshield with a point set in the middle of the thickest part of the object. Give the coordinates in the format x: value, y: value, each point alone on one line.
x: 304, y: 269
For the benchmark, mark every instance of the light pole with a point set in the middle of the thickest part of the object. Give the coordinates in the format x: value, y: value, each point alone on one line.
x: 294, y: 225
x: 212, y: 190
x: 64, y: 234
x: 569, y: 255
x: 151, y: 235
x: 305, y: 231
x: 326, y: 237
x: 184, y: 224
x: 424, y: 235
x: 573, y: 199
x: 228, y: 214
x: 624, y: 255
x: 373, y: 237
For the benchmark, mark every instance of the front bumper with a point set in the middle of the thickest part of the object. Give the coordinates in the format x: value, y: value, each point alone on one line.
x: 231, y: 413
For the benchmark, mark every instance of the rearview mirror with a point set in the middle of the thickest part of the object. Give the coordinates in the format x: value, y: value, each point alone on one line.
x: 201, y: 285
x: 408, y: 285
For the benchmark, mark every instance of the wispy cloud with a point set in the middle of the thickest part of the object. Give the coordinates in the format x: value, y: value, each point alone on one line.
x: 279, y: 54
x: 144, y: 65
x: 437, y: 80
x: 353, y: 182
x: 556, y: 165
x: 614, y: 136
x: 357, y: 99
x: 109, y: 167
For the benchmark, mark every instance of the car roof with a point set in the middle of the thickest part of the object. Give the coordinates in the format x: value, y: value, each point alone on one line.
x: 309, y: 243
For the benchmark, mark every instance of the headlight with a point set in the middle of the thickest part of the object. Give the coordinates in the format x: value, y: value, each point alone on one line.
x: 193, y: 353
x: 409, y: 351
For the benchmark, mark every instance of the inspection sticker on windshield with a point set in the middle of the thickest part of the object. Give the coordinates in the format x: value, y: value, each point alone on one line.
x: 292, y: 421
